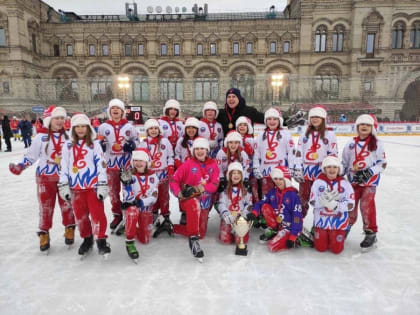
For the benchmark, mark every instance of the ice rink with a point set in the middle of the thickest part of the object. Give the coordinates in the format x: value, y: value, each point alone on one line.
x: 168, y: 280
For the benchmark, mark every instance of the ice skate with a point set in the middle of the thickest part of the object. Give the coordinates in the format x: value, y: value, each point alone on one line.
x: 369, y: 242
x: 115, y: 222
x: 69, y: 235
x: 196, y: 249
x: 44, y: 242
x: 103, y: 248
x: 305, y: 238
x: 132, y: 251
x: 268, y: 235
x: 183, y: 219
x: 86, y: 247
x: 120, y: 229
x: 164, y: 226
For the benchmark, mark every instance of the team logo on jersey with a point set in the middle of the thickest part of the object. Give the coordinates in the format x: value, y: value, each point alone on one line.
x: 178, y: 127
x: 127, y: 133
x: 339, y: 238
x: 272, y: 198
x: 325, y: 140
x: 107, y: 132
x: 340, y: 189
x: 165, y: 127
x: 202, y: 129
x: 44, y: 139
x: 287, y: 201
x: 163, y: 147
x: 69, y: 145
x: 305, y: 140
x: 194, y: 170
x: 351, y: 146
x: 291, y: 143
x: 321, y: 188
x: 219, y: 130
x: 152, y: 180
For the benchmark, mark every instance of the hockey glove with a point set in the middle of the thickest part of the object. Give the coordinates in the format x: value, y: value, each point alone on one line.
x: 126, y: 177
x: 362, y: 176
x: 247, y: 185
x: 251, y: 216
x: 298, y: 175
x: 189, y: 191
x: 129, y: 146
x: 257, y: 173
x: 126, y: 205
x: 227, y: 217
x: 325, y: 202
x: 16, y: 168
x: 140, y: 203
x: 64, y: 191
x: 222, y: 185
x: 102, y: 190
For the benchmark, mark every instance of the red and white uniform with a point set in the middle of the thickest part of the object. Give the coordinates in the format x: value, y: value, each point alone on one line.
x: 213, y: 132
x: 82, y: 167
x: 194, y: 173
x: 331, y: 224
x: 223, y: 163
x: 162, y: 165
x: 356, y: 157
x: 114, y: 136
x: 139, y: 220
x: 172, y: 129
x: 236, y: 204
x: 182, y: 154
x: 46, y: 149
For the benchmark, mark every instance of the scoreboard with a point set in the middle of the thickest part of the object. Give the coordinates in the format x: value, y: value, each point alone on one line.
x: 134, y: 114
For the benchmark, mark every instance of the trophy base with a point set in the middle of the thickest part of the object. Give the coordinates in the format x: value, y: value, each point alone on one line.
x: 241, y: 251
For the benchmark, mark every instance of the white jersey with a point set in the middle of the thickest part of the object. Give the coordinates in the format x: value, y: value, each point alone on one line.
x: 357, y: 157
x: 213, y: 132
x: 82, y: 166
x: 329, y: 219
x: 235, y: 202
x: 172, y: 129
x: 144, y: 187
x: 161, y: 153
x: 311, y: 151
x: 47, y: 150
x: 274, y: 148
x: 223, y: 163
x: 114, y: 136
x: 181, y: 153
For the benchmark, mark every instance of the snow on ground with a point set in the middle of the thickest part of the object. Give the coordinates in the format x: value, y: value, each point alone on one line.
x: 168, y: 280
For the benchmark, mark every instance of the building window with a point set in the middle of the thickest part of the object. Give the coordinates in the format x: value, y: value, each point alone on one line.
x: 415, y: 36
x: 67, y: 89
x: 321, y: 39
x: 34, y: 43
x: 370, y: 44
x: 6, y: 89
x: 127, y: 49
x: 213, y: 49
x: 140, y: 88
x: 273, y: 47
x: 367, y: 86
x: 236, y: 48
x: 69, y: 50
x: 176, y: 50
x: 92, y: 51
x: 326, y: 87
x: 163, y: 50
x: 56, y: 50
x: 244, y: 80
x: 286, y: 47
x: 171, y: 88
x: 249, y: 48
x: 2, y: 37
x: 105, y: 50
x: 206, y: 89
x: 337, y: 40
x: 141, y: 49
x: 398, y: 36
x: 199, y: 49
x: 101, y: 89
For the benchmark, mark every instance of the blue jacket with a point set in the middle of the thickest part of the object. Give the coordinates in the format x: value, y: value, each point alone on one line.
x: 290, y: 209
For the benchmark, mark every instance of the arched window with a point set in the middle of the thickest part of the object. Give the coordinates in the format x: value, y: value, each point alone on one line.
x: 398, y: 35
x: 244, y: 80
x: 66, y: 85
x: 338, y: 38
x: 327, y: 82
x: 139, y: 85
x: 278, y: 85
x: 171, y: 85
x: 415, y: 35
x: 321, y: 39
x: 206, y: 85
x: 100, y: 85
x: 3, y: 29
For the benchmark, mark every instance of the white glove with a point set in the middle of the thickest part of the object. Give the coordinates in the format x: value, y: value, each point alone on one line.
x: 64, y: 191
x: 298, y: 175
x: 102, y: 190
x: 227, y: 217
x: 325, y: 201
x: 332, y: 195
x: 257, y: 173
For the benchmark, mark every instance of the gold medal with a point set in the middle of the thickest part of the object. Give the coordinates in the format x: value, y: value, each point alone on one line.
x: 234, y: 213
x: 75, y: 169
x: 57, y: 160
x: 279, y: 219
x: 269, y: 153
x: 315, y: 155
x: 116, y: 147
x: 355, y: 167
x: 230, y: 125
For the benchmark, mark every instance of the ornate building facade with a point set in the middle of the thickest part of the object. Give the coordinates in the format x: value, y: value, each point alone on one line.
x: 354, y: 52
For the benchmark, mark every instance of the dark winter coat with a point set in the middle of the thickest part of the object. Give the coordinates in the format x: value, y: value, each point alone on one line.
x: 7, y: 132
x: 25, y: 127
x: 241, y: 110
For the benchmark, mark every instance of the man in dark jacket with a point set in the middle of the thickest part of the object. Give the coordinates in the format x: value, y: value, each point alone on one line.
x: 25, y: 127
x: 7, y: 133
x: 235, y: 107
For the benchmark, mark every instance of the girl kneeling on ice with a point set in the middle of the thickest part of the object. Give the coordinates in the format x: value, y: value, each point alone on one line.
x: 83, y: 170
x: 332, y: 198
x: 140, y: 194
x: 234, y: 202
x: 282, y: 211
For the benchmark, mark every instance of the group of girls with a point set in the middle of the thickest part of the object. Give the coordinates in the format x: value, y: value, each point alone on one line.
x: 238, y: 174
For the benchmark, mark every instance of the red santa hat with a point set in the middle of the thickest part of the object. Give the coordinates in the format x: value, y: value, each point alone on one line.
x: 245, y: 120
x: 331, y: 160
x: 172, y: 104
x: 233, y: 136
x: 152, y: 123
x: 282, y: 172
x: 80, y: 119
x: 273, y: 113
x: 317, y: 111
x: 210, y: 105
x: 368, y: 119
x: 115, y: 102
x: 53, y: 112
x: 235, y: 166
x: 141, y: 155
x: 191, y: 122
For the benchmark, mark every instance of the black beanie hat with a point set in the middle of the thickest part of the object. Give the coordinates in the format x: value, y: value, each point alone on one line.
x: 237, y: 92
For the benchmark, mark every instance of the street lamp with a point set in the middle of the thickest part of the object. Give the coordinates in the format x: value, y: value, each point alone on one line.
x: 124, y: 85
x: 276, y: 83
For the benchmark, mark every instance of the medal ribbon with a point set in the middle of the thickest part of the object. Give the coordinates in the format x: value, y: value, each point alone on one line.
x: 145, y: 187
x: 235, y: 200
x: 270, y: 141
x: 56, y: 145
x: 230, y: 117
x: 315, y: 140
x: 212, y: 133
x: 156, y: 143
x: 117, y: 128
x: 77, y: 153
x: 358, y: 156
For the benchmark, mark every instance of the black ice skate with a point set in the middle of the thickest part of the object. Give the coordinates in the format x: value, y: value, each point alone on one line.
x: 132, y: 250
x: 86, y: 247
x: 164, y: 226
x: 369, y: 242
x: 268, y: 235
x: 103, y: 248
x: 117, y: 220
x: 69, y: 235
x: 195, y: 248
x: 44, y: 241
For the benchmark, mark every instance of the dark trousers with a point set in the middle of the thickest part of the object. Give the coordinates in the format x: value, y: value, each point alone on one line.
x: 8, y: 144
x: 27, y: 141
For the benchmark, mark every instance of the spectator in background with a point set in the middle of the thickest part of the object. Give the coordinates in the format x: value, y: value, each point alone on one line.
x: 343, y: 118
x: 25, y: 127
x: 7, y: 133
x: 95, y: 123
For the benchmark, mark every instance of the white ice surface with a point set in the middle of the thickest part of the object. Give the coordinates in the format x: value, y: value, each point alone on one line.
x: 168, y: 280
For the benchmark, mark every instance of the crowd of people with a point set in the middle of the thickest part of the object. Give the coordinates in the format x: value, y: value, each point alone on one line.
x: 214, y: 162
